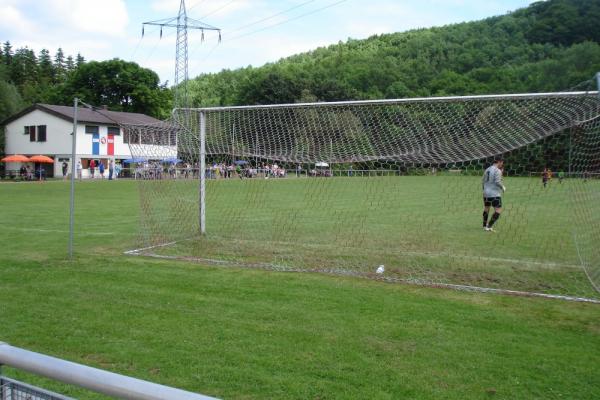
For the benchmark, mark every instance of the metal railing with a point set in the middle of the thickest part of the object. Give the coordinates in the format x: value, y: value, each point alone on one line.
x: 11, y: 389
x: 97, y: 380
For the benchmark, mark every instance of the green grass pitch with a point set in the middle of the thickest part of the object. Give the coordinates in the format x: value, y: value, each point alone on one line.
x: 253, y: 334
x: 422, y: 228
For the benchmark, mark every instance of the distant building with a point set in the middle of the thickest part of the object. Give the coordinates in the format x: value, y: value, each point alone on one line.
x: 46, y: 129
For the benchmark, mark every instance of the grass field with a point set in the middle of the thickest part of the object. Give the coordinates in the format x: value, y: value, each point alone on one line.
x: 422, y: 228
x: 251, y: 334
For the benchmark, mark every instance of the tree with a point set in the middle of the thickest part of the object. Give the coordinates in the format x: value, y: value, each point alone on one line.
x: 7, y: 51
x: 60, y: 68
x: 121, y: 85
x: 46, y: 69
x: 10, y: 103
x: 80, y: 60
x: 23, y: 67
x: 271, y: 88
x: 564, y: 22
x: 70, y: 64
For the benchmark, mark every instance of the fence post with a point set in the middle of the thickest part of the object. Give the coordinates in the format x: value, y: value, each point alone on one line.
x: 73, y: 171
x: 202, y: 173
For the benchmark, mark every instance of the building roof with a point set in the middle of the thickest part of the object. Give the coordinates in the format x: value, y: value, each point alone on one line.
x: 86, y: 115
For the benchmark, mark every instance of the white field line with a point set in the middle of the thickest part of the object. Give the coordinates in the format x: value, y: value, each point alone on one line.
x: 549, y: 265
x: 343, y: 272
x: 503, y: 291
x: 140, y: 250
x: 59, y: 231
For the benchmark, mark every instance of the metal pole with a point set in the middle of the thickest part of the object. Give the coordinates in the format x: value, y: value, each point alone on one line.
x: 100, y: 381
x: 598, y: 82
x: 399, y: 101
x: 331, y: 157
x: 202, y: 173
x: 255, y: 151
x: 233, y: 144
x: 570, y: 150
x: 73, y: 171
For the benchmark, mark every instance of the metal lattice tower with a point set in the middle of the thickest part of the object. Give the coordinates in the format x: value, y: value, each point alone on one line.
x: 182, y: 22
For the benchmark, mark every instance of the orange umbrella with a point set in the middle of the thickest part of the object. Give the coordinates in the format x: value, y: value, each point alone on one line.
x: 41, y: 159
x: 15, y: 158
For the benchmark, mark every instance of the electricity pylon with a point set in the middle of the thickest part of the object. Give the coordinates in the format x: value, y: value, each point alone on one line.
x: 182, y: 22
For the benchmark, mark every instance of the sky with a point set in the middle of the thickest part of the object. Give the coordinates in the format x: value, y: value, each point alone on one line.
x: 254, y: 32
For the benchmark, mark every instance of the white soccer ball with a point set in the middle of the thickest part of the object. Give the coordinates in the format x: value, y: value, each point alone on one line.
x: 380, y: 270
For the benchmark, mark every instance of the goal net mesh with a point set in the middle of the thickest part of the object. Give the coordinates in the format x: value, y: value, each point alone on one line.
x: 345, y: 188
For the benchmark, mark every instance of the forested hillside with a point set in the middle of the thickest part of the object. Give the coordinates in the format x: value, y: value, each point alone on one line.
x: 549, y: 46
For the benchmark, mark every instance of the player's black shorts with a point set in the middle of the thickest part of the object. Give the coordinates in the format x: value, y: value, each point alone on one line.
x: 495, y: 202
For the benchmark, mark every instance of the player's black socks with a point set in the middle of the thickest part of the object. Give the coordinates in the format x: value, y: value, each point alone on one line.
x: 485, y: 218
x: 495, y: 217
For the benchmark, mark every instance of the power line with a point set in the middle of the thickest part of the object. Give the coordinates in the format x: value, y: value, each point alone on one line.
x: 137, y: 46
x: 272, y: 16
x: 218, y: 9
x: 261, y: 20
x: 171, y: 33
x: 287, y: 20
x: 195, y: 5
x: 152, y: 51
x: 273, y: 25
x: 183, y: 24
x: 140, y: 42
x: 278, y: 14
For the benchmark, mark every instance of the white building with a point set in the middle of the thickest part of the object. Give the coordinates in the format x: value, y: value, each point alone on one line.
x: 46, y: 129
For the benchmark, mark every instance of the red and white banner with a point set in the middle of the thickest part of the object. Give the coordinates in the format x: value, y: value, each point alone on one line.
x: 111, y: 145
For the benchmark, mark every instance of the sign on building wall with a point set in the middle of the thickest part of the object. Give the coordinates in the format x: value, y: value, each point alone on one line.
x: 96, y: 144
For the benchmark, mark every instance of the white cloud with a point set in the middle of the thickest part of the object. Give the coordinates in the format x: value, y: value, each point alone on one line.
x: 13, y: 20
x: 58, y: 20
x: 107, y: 17
x: 89, y: 27
x: 171, y: 6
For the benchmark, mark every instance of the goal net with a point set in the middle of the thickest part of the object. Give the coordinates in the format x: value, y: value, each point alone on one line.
x: 347, y: 187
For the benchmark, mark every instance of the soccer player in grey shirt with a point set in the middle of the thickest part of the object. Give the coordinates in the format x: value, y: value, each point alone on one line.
x: 493, y: 188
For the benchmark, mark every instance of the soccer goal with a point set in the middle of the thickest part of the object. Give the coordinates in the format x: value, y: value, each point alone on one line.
x: 347, y: 187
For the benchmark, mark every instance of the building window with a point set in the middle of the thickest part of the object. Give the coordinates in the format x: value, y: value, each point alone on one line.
x: 114, y: 130
x: 92, y: 129
x: 41, y: 134
x: 26, y: 132
x: 32, y: 133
